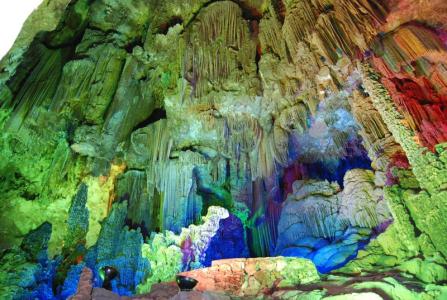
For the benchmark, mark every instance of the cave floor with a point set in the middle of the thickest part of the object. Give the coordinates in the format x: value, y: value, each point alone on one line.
x: 386, y: 285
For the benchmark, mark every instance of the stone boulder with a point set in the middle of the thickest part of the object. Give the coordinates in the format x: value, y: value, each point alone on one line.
x: 329, y: 226
x: 310, y: 211
x: 253, y: 276
x: 362, y: 203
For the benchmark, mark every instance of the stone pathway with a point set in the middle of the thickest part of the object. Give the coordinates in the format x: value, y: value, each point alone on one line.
x: 275, y: 278
x: 253, y: 276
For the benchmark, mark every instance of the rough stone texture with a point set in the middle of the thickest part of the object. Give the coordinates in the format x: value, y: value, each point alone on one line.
x: 169, y: 254
x: 85, y: 286
x: 249, y: 277
x: 102, y: 294
x: 328, y: 226
x: 162, y: 291
x: 363, y: 203
x: 181, y: 105
x: 384, y: 286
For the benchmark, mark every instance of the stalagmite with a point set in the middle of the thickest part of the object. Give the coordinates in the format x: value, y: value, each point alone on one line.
x: 145, y: 139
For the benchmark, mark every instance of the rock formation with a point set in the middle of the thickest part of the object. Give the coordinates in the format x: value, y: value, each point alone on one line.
x: 159, y: 136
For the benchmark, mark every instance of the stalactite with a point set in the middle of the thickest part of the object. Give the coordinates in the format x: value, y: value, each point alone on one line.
x: 377, y: 139
x: 407, y: 44
x: 409, y: 58
x: 430, y: 178
x: 59, y: 166
x: 332, y: 39
x: 360, y: 18
x: 271, y: 36
x: 132, y: 187
x: 173, y: 179
x: 328, y: 30
x: 222, y: 20
x: 69, y: 91
x: 261, y: 240
x: 323, y: 221
x: 244, y: 133
x: 158, y: 144
x: 39, y: 87
x: 216, y: 39
x: 298, y: 25
x: 294, y: 118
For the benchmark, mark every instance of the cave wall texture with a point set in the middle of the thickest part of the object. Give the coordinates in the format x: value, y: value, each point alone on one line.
x: 157, y: 136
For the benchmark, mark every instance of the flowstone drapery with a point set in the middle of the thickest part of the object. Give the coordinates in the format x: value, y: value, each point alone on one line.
x: 157, y: 136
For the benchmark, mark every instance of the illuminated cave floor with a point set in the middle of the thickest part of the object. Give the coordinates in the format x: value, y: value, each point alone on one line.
x: 336, y: 286
x: 368, y: 287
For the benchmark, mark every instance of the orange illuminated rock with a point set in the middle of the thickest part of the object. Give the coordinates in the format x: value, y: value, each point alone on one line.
x: 252, y: 276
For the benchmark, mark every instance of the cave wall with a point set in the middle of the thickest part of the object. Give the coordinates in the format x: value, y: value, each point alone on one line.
x: 317, y: 125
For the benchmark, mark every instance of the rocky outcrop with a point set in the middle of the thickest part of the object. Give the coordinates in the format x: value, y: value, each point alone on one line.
x: 328, y: 226
x: 315, y: 126
x: 252, y: 276
x: 219, y: 236
x: 85, y: 286
x: 363, y: 202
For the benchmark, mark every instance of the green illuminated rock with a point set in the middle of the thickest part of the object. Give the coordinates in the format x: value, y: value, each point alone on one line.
x: 301, y: 119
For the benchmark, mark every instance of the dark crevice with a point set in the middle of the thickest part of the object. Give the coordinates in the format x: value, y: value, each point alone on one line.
x: 249, y: 12
x: 29, y: 196
x: 381, y: 10
x: 288, y: 55
x: 130, y: 46
x: 254, y: 28
x: 35, y: 53
x: 362, y: 90
x: 157, y: 115
x: 164, y: 27
x: 135, y: 169
x: 175, y: 155
x: 188, y: 148
x: 108, y: 38
x: 31, y: 58
x: 258, y: 57
x: 35, y: 85
x: 70, y: 30
x: 327, y: 8
x: 142, y: 226
x: 70, y: 130
x: 280, y: 10
x: 193, y: 148
x: 105, y: 32
x: 417, y: 232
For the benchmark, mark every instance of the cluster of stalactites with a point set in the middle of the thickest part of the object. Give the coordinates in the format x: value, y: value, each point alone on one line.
x: 181, y: 205
x: 260, y: 149
x: 377, y: 139
x: 159, y: 142
x: 411, y: 60
x: 219, y: 43
x: 333, y: 27
x: 407, y: 44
